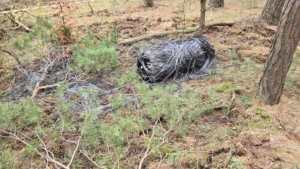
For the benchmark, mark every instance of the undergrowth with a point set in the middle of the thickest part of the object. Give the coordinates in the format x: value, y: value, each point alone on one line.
x: 156, y: 117
x: 90, y: 55
x: 235, y: 163
x: 152, y: 127
x: 160, y: 124
x: 35, y: 44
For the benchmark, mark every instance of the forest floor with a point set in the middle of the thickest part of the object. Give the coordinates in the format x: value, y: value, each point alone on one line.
x: 238, y: 131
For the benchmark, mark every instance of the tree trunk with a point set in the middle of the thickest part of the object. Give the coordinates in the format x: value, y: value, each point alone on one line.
x: 202, y: 17
x: 272, y: 11
x: 281, y: 54
x: 216, y: 3
x: 149, y: 3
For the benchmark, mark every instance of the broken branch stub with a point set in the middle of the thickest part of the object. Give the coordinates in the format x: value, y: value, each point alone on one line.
x: 176, y: 59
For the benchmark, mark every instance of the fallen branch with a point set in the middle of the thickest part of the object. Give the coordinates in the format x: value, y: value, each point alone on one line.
x: 159, y: 34
x: 38, y: 87
x: 231, y: 102
x: 148, y: 150
x: 23, y: 26
x: 48, y: 158
x: 48, y: 86
x: 4, y: 20
x: 90, y: 159
x: 47, y: 153
x: 269, y: 27
x: 104, y: 110
x: 92, y: 11
x: 164, y: 140
x: 76, y: 149
x: 18, y: 22
x: 14, y: 56
x: 20, y: 65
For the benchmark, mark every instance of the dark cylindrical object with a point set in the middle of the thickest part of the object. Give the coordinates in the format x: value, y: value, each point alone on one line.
x: 175, y: 59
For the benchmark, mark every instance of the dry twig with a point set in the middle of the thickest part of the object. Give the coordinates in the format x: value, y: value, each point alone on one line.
x: 38, y: 87
x: 20, y: 65
x: 92, y: 11
x: 47, y: 154
x: 48, y: 158
x: 18, y: 22
x: 148, y: 151
x: 76, y: 149
x: 164, y: 140
x: 231, y: 102
x: 90, y: 159
x: 23, y: 26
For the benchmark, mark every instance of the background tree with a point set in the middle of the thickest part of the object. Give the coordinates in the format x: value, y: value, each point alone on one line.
x: 149, y: 3
x: 281, y: 54
x: 202, y: 16
x: 216, y: 3
x: 272, y: 11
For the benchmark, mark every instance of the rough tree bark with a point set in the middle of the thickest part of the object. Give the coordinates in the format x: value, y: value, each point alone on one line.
x: 202, y: 16
x: 216, y: 3
x: 281, y: 54
x: 149, y: 3
x: 272, y: 11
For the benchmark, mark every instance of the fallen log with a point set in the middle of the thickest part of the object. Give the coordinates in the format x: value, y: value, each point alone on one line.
x: 159, y: 34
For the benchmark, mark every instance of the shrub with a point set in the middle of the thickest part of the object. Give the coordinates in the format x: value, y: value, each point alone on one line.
x: 93, y: 56
x: 19, y: 115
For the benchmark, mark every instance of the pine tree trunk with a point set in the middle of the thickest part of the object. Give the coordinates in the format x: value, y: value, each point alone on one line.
x: 149, y: 3
x: 202, y: 16
x: 216, y: 3
x: 272, y: 11
x: 281, y: 54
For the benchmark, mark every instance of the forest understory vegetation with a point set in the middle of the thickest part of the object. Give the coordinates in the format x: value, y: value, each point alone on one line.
x: 71, y: 97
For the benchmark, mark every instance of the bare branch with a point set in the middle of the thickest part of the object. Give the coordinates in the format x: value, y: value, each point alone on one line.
x: 23, y: 26
x: 20, y: 65
x: 91, y: 160
x: 231, y: 102
x: 164, y: 140
x: 45, y: 147
x: 18, y: 22
x: 14, y: 136
x: 92, y: 11
x: 37, y: 86
x: 148, y: 146
x: 76, y: 149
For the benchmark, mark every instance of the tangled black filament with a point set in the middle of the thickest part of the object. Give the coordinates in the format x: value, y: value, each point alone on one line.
x: 176, y: 59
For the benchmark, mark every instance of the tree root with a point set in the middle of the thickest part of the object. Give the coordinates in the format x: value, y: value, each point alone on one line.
x: 159, y: 34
